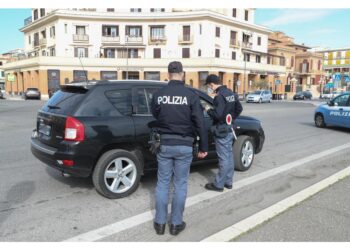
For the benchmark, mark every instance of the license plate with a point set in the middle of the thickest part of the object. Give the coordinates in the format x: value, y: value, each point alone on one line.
x: 45, y: 129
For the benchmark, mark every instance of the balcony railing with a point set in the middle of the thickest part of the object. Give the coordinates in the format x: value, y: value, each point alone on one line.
x: 247, y: 45
x: 43, y: 41
x: 80, y: 38
x: 134, y: 39
x: 186, y: 39
x: 157, y: 40
x: 110, y: 39
x: 27, y: 21
x: 234, y: 43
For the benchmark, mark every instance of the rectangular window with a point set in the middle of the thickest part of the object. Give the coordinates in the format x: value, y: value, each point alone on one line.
x: 109, y: 75
x: 157, y: 10
x: 79, y: 75
x: 133, y: 31
x: 246, y: 57
x: 292, y: 61
x: 52, y: 31
x: 234, y: 12
x: 42, y: 12
x: 186, y: 33
x: 109, y: 53
x: 36, y: 39
x: 80, y: 30
x: 259, y: 40
x: 35, y: 14
x: 185, y: 52
x: 135, y: 10
x: 110, y: 9
x: 80, y: 52
x: 246, y: 15
x: 202, y: 76
x: 217, y: 53
x: 217, y: 32
x: 52, y: 52
x: 111, y: 31
x: 121, y: 100
x: 156, y: 53
x: 152, y: 75
x: 200, y: 29
x: 258, y: 59
x: 233, y: 37
x: 282, y: 61
x: 199, y: 53
x: 144, y: 99
x: 133, y: 53
x: 30, y: 39
x: 233, y: 55
x: 157, y: 32
x: 65, y: 28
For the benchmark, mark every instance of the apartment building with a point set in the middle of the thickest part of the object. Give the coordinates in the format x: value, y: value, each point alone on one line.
x: 336, y: 63
x: 303, y: 66
x: 65, y: 45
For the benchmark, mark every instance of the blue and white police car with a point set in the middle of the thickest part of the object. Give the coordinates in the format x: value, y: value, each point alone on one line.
x: 334, y: 113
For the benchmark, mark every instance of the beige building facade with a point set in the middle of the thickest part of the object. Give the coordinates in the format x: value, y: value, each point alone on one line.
x: 65, y: 45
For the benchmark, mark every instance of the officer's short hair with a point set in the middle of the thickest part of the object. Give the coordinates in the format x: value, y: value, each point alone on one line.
x: 212, y: 79
x: 175, y: 67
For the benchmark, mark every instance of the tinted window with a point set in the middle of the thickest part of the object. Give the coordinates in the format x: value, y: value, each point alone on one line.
x: 64, y: 102
x: 257, y: 93
x: 341, y: 100
x: 121, y: 100
x: 144, y: 99
x: 32, y: 89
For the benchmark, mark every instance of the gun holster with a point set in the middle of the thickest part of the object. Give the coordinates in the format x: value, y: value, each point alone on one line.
x: 221, y: 130
x: 154, y: 142
x: 195, y: 147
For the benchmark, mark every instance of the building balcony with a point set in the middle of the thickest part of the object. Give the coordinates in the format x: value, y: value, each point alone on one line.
x: 185, y: 39
x: 42, y: 42
x: 134, y: 39
x: 247, y: 45
x: 157, y: 40
x: 110, y: 39
x: 234, y: 43
x: 80, y: 38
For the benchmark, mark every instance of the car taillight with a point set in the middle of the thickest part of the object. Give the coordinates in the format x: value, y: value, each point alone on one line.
x: 74, y: 130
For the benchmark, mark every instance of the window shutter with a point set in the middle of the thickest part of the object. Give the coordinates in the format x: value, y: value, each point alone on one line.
x: 103, y: 30
x: 140, y: 30
x: 75, y: 52
x: 86, y: 52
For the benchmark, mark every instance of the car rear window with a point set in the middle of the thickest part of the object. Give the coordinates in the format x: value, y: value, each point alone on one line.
x: 64, y: 102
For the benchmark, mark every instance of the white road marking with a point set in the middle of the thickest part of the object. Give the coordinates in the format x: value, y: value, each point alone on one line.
x: 251, y: 222
x: 136, y: 220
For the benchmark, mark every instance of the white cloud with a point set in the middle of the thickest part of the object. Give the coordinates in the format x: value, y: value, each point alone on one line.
x: 291, y: 16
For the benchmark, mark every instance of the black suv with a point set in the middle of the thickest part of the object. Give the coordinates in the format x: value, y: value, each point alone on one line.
x: 101, y: 129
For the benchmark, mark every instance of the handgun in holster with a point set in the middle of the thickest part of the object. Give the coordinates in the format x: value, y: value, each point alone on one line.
x: 154, y: 142
x: 196, y: 147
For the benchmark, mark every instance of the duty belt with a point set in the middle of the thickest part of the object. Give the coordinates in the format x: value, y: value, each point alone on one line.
x: 177, y: 137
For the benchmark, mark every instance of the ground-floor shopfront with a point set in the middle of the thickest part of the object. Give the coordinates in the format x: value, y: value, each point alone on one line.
x: 46, y: 76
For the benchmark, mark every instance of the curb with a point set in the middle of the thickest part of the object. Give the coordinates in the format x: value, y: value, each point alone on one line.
x: 255, y: 220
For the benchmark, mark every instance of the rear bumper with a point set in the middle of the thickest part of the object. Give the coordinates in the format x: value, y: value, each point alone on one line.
x: 51, y: 156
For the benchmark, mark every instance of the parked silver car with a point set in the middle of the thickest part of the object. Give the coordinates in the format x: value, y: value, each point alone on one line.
x: 260, y: 96
x: 32, y: 93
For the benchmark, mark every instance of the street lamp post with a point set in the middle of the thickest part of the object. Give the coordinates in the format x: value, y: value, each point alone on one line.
x: 127, y: 58
x: 244, y: 75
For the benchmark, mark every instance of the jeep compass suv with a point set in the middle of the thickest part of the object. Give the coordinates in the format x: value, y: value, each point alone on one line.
x: 101, y: 129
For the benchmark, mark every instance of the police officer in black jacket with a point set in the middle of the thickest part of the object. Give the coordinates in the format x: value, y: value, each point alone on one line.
x: 227, y: 108
x: 179, y: 119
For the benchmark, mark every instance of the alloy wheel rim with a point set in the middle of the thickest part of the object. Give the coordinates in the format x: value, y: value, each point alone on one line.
x: 120, y: 175
x: 247, y: 154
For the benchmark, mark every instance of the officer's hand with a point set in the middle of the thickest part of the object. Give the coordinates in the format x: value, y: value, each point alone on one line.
x: 202, y: 155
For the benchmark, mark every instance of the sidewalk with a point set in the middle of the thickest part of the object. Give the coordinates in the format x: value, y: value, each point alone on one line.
x: 323, y: 217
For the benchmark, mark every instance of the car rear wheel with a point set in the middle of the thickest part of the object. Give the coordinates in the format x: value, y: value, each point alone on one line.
x: 243, y: 152
x: 117, y: 174
x: 319, y: 121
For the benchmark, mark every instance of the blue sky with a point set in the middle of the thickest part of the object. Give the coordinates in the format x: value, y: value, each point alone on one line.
x: 314, y: 27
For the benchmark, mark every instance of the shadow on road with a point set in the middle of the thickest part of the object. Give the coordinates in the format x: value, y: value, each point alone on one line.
x: 73, y: 182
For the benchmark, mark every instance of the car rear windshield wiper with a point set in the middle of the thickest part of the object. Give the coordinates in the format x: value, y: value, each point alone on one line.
x: 53, y: 107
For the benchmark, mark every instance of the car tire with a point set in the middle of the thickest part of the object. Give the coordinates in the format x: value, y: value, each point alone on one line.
x: 270, y: 100
x: 116, y: 161
x: 319, y: 121
x: 243, y: 152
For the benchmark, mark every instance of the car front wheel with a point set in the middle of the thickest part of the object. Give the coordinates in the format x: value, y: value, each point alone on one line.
x: 243, y: 152
x: 319, y: 121
x: 117, y: 174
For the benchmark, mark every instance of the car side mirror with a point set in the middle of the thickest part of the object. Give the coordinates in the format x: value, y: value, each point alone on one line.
x: 330, y: 103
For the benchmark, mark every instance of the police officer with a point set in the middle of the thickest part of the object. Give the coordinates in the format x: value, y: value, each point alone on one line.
x: 227, y: 108
x: 179, y: 119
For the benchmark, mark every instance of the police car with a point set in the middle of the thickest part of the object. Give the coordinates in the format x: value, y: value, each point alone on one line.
x: 335, y: 113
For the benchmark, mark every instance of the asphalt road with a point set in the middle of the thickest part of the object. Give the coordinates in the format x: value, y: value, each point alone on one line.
x: 38, y: 204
